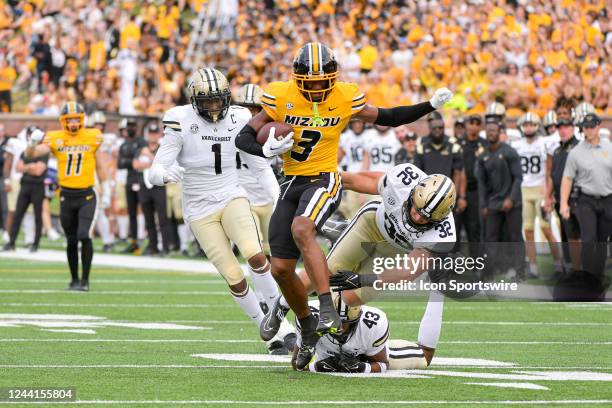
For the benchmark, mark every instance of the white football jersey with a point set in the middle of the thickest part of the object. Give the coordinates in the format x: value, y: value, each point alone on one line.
x: 352, y: 145
x: 533, y: 160
x: 395, y: 188
x: 368, y: 338
x: 207, y: 152
x: 252, y: 182
x: 16, y: 146
x: 381, y: 148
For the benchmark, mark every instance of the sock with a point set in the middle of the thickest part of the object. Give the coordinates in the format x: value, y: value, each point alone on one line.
x: 431, y: 323
x: 28, y: 227
x: 533, y: 268
x: 249, y: 303
x: 325, y: 300
x: 123, y: 225
x: 86, y: 256
x: 183, y: 233
x: 103, y: 226
x: 283, y: 302
x: 265, y: 283
x: 142, y: 233
x: 72, y: 252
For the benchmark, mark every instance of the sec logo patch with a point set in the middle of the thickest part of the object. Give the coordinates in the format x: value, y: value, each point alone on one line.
x: 194, y: 128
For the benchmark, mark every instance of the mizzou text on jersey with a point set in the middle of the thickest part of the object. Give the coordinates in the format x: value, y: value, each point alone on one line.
x: 76, y: 161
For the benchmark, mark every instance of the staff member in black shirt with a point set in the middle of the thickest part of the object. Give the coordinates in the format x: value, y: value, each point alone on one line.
x: 32, y: 191
x: 127, y: 153
x: 499, y: 176
x: 407, y: 154
x: 152, y: 198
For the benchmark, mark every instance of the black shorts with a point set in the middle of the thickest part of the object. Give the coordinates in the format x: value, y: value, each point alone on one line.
x: 314, y: 197
x: 77, y: 212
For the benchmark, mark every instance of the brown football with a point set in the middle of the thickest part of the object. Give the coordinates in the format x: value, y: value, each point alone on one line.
x: 282, y: 130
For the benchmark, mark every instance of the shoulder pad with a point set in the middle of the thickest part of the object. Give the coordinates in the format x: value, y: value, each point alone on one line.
x: 172, y: 118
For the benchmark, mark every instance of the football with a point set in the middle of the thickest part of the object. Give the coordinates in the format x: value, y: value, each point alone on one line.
x: 282, y: 130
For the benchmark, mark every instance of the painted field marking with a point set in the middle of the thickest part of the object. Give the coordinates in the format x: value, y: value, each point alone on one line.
x: 78, y: 331
x: 523, y: 386
x: 329, y: 402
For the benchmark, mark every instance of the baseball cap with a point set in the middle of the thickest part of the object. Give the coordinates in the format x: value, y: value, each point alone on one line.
x: 564, y: 122
x: 590, y: 120
x: 410, y: 136
x: 474, y: 117
x: 460, y: 121
x: 153, y: 127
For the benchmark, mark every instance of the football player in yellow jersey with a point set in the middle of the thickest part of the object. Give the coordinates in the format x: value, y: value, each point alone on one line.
x: 319, y: 108
x: 78, y: 161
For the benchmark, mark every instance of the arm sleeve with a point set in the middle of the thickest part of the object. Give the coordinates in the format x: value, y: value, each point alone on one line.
x: 247, y: 142
x: 517, y: 176
x: 402, y: 115
x: 166, y: 155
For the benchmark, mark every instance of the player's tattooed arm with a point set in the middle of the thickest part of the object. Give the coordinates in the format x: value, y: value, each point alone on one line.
x: 247, y: 138
x: 361, y: 182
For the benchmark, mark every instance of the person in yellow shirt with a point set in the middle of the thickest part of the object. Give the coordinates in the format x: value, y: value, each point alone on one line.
x: 78, y: 161
x: 7, y: 78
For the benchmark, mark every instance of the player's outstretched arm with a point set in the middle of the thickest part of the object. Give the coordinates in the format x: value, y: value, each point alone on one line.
x: 402, y: 115
x: 247, y: 138
x: 361, y: 182
x: 37, y: 147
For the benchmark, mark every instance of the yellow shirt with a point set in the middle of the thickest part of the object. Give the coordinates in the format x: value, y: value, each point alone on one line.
x: 76, y: 156
x: 7, y: 77
x: 315, y: 146
x: 368, y: 56
x: 130, y: 31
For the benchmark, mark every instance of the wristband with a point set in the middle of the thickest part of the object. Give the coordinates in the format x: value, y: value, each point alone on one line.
x: 311, y: 367
x: 383, y: 366
x: 368, y: 368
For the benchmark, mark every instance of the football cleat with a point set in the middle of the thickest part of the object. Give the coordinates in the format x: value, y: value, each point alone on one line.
x: 272, y: 321
x: 74, y: 285
x: 84, y: 286
x: 306, y: 350
x: 329, y: 321
x: 276, y: 347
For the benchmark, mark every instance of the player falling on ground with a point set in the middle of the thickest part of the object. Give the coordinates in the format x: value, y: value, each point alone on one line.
x: 318, y: 107
x: 200, y: 137
x: 79, y: 159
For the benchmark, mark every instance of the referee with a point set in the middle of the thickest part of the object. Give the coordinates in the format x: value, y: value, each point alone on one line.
x: 589, y: 168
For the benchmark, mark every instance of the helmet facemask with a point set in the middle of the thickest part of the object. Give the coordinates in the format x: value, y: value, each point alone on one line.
x: 72, y: 110
x: 212, y: 107
x: 433, y: 199
x: 315, y: 72
x: 209, y: 93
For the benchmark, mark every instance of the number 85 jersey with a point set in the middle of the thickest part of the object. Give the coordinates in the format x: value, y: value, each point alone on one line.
x: 317, y: 127
x: 395, y: 188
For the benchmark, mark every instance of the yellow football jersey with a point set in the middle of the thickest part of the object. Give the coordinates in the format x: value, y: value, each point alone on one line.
x: 76, y: 156
x: 317, y: 127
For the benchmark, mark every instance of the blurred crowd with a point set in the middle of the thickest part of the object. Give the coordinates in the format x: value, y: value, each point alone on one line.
x: 133, y: 57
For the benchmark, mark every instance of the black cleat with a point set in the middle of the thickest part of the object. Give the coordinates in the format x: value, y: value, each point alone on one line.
x: 150, y: 251
x: 329, y: 321
x: 33, y: 248
x: 8, y: 247
x: 264, y: 307
x: 290, y: 341
x: 277, y: 348
x: 74, y: 285
x: 306, y: 351
x: 108, y: 248
x: 84, y: 286
x: 272, y: 321
x: 133, y: 248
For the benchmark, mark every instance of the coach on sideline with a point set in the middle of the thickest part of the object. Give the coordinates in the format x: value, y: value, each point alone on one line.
x: 589, y: 167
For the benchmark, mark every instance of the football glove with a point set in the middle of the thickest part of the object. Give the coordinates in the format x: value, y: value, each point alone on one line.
x: 274, y: 146
x: 349, y: 364
x: 37, y: 136
x: 440, y: 97
x: 174, y: 174
x: 347, y: 280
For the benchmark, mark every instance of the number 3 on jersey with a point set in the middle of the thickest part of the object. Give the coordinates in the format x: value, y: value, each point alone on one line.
x: 308, y: 140
x: 73, y: 167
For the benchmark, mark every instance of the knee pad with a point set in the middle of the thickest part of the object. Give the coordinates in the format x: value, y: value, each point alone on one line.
x: 405, y: 355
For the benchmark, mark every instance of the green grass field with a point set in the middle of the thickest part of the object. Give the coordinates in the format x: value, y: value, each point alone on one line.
x: 563, y: 350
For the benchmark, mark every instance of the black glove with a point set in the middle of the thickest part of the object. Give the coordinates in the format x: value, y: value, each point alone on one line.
x: 328, y: 365
x: 349, y: 363
x: 347, y: 280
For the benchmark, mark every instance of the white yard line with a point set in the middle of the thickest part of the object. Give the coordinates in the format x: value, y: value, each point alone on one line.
x: 327, y: 402
x: 118, y: 292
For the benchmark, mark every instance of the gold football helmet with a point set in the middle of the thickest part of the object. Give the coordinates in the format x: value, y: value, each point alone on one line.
x: 433, y: 198
x: 315, y: 63
x: 581, y: 111
x: 209, y: 93
x: 348, y: 314
x: 248, y: 95
x: 529, y: 117
x: 495, y: 109
x: 550, y: 119
x: 72, y: 110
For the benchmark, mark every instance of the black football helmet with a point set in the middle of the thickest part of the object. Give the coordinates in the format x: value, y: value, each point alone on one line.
x: 315, y: 62
x: 72, y: 110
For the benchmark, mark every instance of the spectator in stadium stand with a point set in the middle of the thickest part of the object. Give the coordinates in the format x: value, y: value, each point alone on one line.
x: 32, y: 191
x: 472, y: 146
x: 589, y: 170
x: 127, y: 152
x: 570, y: 229
x: 152, y: 198
x: 407, y: 154
x: 499, y: 189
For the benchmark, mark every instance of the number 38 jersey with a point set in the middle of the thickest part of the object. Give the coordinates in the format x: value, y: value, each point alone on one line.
x: 395, y: 188
x: 368, y: 338
x: 208, y: 154
x: 533, y: 161
x: 317, y: 127
x: 76, y: 156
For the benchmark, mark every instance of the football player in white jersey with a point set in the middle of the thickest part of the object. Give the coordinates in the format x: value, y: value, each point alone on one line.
x: 351, y: 152
x: 413, y: 215
x: 510, y: 136
x: 200, y: 139
x: 532, y: 150
x: 262, y: 199
x: 380, y: 147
